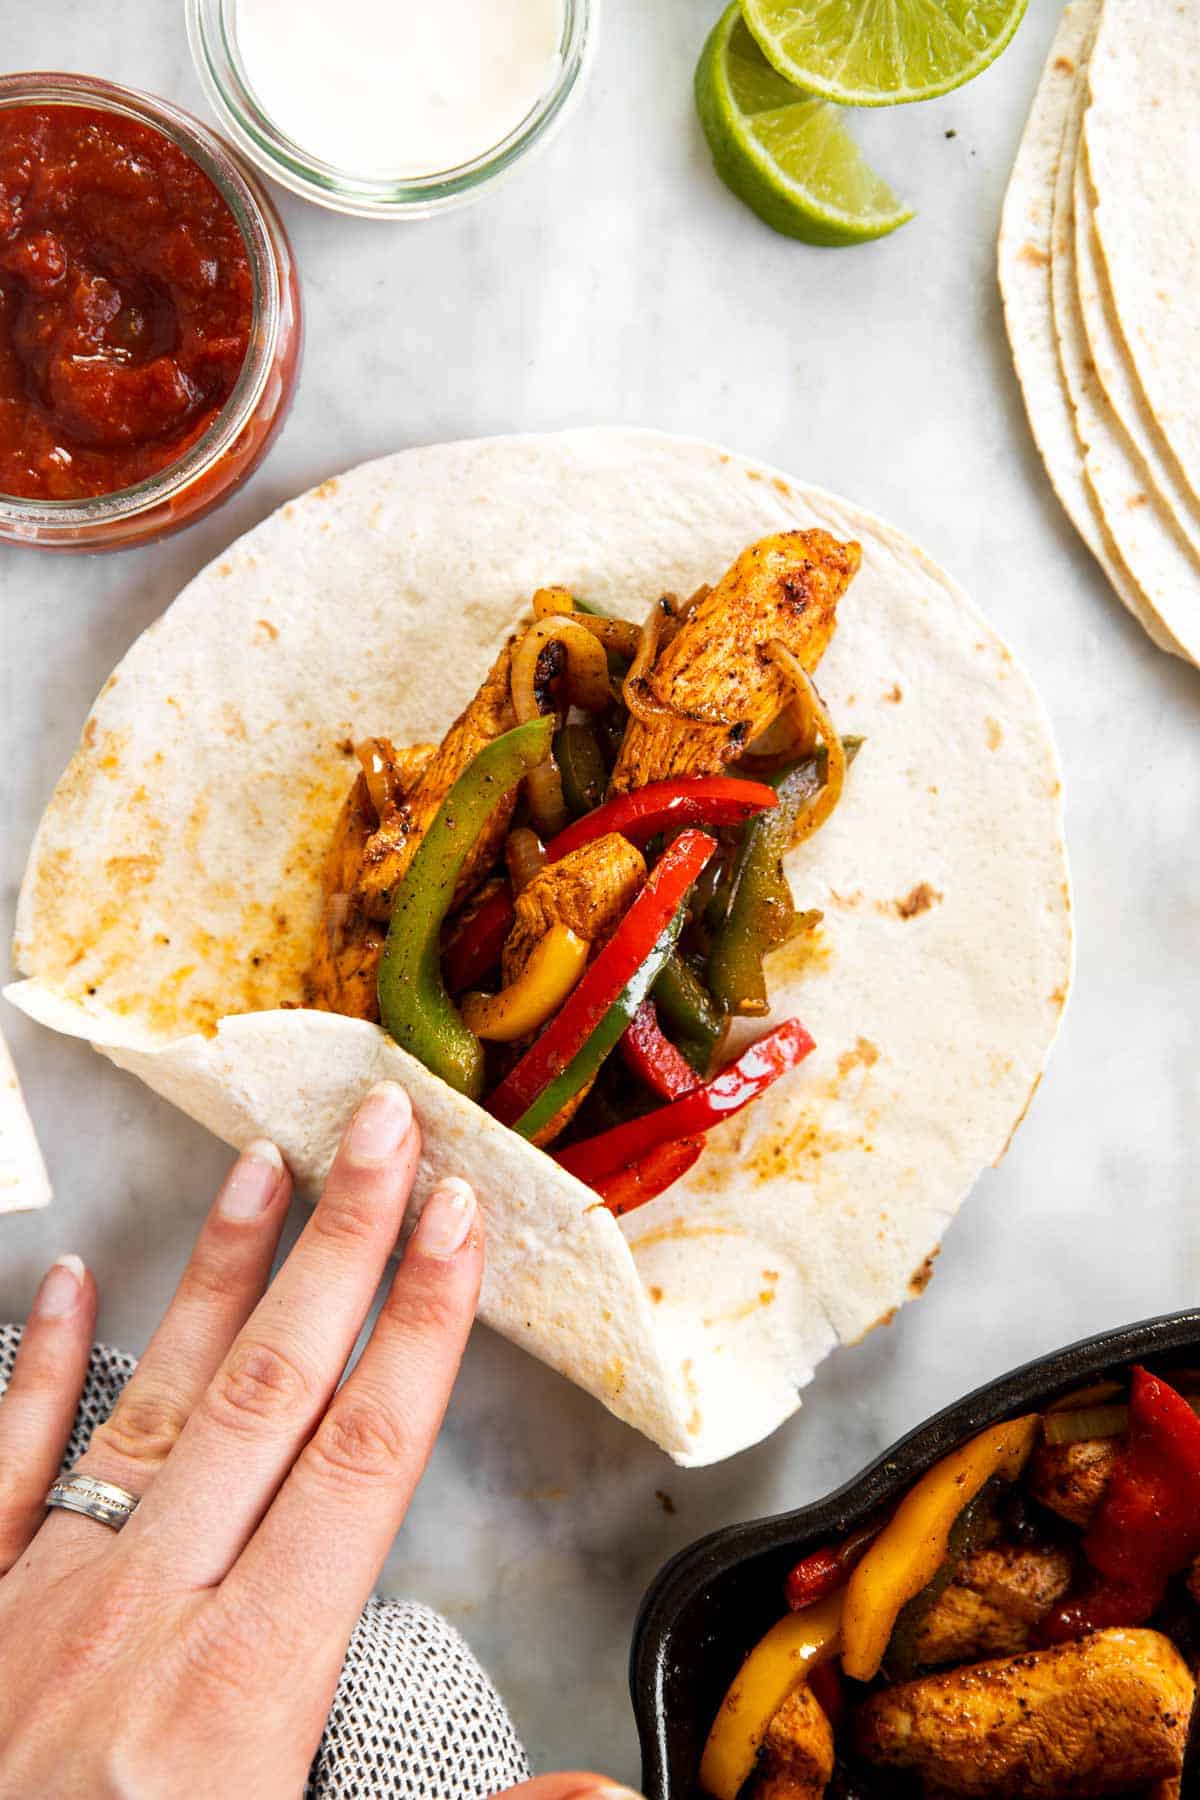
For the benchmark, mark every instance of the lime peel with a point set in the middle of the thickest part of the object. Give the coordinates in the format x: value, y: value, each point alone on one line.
x: 786, y: 154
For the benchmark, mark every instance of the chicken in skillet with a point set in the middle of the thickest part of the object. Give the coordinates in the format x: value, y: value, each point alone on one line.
x: 1022, y: 1625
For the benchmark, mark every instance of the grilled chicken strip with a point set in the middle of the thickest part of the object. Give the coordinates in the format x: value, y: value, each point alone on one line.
x: 1093, y: 1718
x: 797, y: 1756
x: 391, y: 848
x: 993, y: 1603
x: 590, y: 891
x: 1070, y: 1479
x: 720, y: 687
x: 342, y: 978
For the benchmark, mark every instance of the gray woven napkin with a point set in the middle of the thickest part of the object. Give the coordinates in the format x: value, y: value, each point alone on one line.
x: 414, y: 1716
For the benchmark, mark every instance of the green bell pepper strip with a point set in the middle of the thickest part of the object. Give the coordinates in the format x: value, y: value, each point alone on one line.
x: 583, y: 1068
x: 584, y: 776
x: 761, y: 914
x: 686, y: 1005
x: 414, y: 1005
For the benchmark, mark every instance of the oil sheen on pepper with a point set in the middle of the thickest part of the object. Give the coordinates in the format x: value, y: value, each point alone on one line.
x: 126, y: 302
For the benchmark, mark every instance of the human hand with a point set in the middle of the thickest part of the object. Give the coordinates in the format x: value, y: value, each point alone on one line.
x: 198, y: 1651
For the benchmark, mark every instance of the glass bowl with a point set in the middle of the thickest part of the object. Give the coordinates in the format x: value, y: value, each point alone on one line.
x: 213, y: 34
x: 236, y: 440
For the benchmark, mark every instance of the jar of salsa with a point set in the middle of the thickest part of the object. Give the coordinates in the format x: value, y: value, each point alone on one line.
x: 149, y: 316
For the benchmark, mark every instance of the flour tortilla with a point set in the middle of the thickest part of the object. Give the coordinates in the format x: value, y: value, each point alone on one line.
x: 1024, y: 266
x: 24, y: 1184
x: 172, y: 896
x: 1143, y: 147
x: 1142, y: 528
x: 1117, y: 376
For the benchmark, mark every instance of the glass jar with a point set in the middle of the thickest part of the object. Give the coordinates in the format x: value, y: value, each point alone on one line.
x: 212, y: 29
x: 238, y: 437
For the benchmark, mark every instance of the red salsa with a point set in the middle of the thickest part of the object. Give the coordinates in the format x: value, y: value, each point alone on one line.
x: 126, y: 301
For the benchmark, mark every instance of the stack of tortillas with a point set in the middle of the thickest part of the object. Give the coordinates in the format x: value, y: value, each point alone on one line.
x: 1100, y: 271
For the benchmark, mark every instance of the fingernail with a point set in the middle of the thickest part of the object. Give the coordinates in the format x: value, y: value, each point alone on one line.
x: 380, y: 1125
x: 447, y: 1219
x: 607, y: 1793
x: 60, y: 1289
x: 252, y: 1183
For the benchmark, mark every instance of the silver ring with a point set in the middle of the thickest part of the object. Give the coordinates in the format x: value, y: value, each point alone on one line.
x: 103, y: 1501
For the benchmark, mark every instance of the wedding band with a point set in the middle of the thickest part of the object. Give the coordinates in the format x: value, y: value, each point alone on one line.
x: 103, y: 1501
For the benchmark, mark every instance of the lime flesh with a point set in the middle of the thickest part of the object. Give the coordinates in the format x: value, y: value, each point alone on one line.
x: 881, y: 52
x: 786, y: 154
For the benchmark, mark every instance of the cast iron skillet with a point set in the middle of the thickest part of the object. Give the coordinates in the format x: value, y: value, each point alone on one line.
x: 713, y: 1601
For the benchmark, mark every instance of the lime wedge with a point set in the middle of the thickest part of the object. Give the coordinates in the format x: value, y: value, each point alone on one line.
x: 882, y: 52
x: 786, y: 154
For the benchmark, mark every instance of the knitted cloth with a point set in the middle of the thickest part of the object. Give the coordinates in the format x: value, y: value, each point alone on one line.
x: 414, y: 1716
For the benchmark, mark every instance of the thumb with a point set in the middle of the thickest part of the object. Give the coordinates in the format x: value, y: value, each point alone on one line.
x: 575, y: 1786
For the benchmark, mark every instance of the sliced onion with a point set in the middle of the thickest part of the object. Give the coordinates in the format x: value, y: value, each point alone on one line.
x: 525, y: 855
x: 619, y: 635
x: 635, y: 691
x: 587, y: 686
x: 1086, y: 1422
x: 377, y: 772
x: 827, y: 797
x: 587, y: 665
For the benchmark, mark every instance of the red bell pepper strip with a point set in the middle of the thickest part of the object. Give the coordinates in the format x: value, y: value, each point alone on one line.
x: 707, y: 1105
x: 814, y: 1577
x: 817, y: 1575
x: 829, y: 1692
x: 1147, y: 1526
x: 650, y: 1055
x: 620, y: 958
x: 473, y: 948
x: 667, y: 806
x: 642, y: 1181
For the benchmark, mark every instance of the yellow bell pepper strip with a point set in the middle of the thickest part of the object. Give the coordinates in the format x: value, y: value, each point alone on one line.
x: 414, y: 1006
x: 912, y: 1546
x: 779, y: 1662
x: 555, y: 965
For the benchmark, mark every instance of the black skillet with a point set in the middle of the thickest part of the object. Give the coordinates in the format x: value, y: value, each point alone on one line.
x: 713, y: 1601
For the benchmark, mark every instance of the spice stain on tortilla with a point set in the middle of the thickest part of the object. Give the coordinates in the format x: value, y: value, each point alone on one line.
x: 993, y: 733
x: 677, y: 1231
x: 922, y: 897
x: 864, y: 1055
x: 745, y: 1310
x: 614, y: 1377
x: 799, y: 1151
x: 1034, y: 254
x: 807, y: 952
x: 921, y: 1277
x: 895, y: 694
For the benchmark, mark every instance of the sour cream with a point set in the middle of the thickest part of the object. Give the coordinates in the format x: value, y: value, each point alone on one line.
x: 397, y: 88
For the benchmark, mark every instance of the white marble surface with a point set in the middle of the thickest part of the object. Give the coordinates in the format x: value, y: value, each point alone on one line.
x: 615, y: 281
